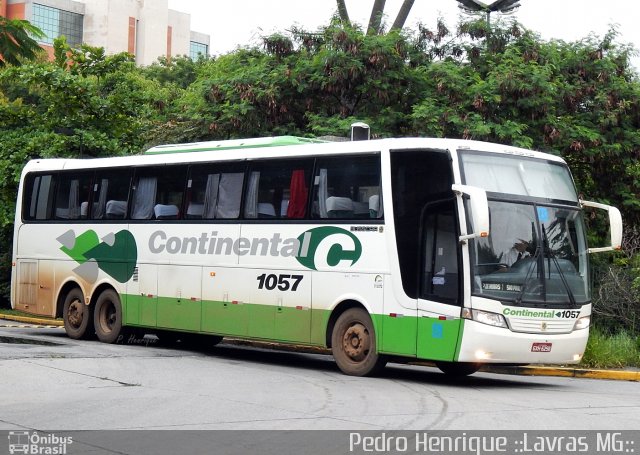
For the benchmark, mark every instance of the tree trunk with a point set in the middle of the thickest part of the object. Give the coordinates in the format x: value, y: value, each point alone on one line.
x: 405, y: 9
x: 376, y: 17
x: 342, y: 11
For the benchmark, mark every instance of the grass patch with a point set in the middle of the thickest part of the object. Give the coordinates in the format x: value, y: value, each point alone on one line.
x: 605, y: 350
x: 11, y: 312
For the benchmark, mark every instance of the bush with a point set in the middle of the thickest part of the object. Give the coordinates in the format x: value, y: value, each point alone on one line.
x: 616, y: 290
x: 606, y: 350
x: 6, y: 235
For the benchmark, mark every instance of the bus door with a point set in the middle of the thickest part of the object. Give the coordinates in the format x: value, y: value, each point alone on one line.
x: 426, y: 241
x: 35, y: 286
x: 440, y: 282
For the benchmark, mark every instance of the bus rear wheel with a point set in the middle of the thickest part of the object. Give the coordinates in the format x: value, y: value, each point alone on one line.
x: 353, y: 343
x: 107, y: 316
x: 78, y: 320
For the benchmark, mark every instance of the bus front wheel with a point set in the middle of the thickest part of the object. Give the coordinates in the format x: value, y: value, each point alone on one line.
x: 353, y: 343
x: 107, y: 316
x: 78, y: 321
x: 458, y: 369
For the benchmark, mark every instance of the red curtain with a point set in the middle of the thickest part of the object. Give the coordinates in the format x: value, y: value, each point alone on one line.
x: 299, y: 193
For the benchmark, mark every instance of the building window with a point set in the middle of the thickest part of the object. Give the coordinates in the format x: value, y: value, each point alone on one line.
x: 55, y: 22
x: 196, y: 49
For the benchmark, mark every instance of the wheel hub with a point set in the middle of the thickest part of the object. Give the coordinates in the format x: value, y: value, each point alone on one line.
x: 108, y: 317
x: 356, y: 342
x: 75, y: 313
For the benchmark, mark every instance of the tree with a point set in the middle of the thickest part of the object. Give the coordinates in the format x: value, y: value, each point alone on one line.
x: 377, y: 12
x: 301, y: 84
x: 16, y: 42
x: 98, y: 106
x: 405, y: 9
x: 579, y: 100
x: 343, y: 13
x: 179, y: 70
x: 375, y: 21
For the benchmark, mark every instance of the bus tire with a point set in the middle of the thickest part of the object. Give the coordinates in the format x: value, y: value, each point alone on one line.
x: 78, y: 320
x: 353, y: 343
x: 213, y: 340
x: 458, y: 369
x: 107, y: 316
x: 189, y: 340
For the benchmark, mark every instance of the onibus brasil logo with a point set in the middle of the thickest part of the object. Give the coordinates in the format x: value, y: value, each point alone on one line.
x: 116, y: 254
x: 34, y: 443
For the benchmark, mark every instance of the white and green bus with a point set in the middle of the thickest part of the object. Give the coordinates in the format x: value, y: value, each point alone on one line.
x: 452, y: 251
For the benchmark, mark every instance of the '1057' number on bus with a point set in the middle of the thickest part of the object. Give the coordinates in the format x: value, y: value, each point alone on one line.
x: 282, y: 282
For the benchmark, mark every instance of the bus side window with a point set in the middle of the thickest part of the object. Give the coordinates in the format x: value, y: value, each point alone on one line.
x: 38, y: 199
x: 144, y: 198
x: 348, y: 188
x: 157, y: 193
x: 72, y: 196
x: 110, y: 194
x: 214, y: 192
x: 278, y: 189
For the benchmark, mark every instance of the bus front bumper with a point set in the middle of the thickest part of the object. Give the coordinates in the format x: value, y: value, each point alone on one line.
x: 487, y: 344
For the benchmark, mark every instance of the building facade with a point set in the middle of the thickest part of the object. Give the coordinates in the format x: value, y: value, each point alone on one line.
x: 147, y: 29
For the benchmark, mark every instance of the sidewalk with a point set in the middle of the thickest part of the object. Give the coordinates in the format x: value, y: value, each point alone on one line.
x: 567, y: 372
x: 32, y: 320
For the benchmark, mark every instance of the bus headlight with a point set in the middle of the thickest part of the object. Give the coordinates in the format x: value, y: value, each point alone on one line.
x: 582, y: 323
x: 485, y: 317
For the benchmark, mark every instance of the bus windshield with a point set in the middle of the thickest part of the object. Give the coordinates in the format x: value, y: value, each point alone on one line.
x: 518, y: 175
x: 536, y: 252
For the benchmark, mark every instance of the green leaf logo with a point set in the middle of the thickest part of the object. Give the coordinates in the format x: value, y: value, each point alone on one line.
x: 116, y: 254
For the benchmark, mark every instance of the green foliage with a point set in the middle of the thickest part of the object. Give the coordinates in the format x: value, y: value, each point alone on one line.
x: 579, y: 100
x: 180, y: 71
x: 86, y: 104
x: 6, y: 234
x: 89, y: 60
x: 611, y: 350
x: 616, y: 300
x: 18, y: 41
x: 300, y: 84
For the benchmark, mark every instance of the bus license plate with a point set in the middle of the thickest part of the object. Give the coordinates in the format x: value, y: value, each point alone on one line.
x: 541, y: 347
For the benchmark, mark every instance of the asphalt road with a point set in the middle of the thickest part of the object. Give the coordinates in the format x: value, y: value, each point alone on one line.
x: 49, y: 381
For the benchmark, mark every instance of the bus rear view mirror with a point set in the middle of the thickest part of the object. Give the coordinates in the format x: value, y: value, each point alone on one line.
x: 479, y: 208
x: 615, y: 226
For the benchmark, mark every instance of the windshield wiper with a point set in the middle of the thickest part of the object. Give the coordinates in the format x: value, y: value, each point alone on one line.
x: 550, y: 254
x: 528, y: 275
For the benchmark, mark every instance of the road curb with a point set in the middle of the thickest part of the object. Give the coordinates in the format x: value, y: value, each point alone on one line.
x: 584, y: 373
x: 31, y: 320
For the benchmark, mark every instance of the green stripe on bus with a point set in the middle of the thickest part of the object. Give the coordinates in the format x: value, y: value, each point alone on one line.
x: 278, y: 141
x: 424, y: 338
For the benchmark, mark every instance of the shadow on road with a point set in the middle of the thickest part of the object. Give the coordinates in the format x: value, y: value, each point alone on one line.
x: 235, y: 351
